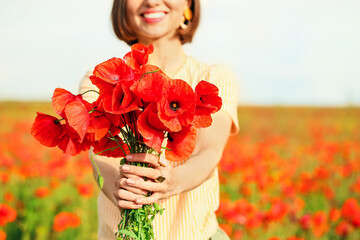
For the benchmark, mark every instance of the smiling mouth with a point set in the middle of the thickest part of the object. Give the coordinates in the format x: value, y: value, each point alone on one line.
x: 154, y: 15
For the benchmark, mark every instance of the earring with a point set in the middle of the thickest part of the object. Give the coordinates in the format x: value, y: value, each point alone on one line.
x: 187, y: 16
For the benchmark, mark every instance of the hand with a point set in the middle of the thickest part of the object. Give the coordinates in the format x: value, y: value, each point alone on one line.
x: 133, y: 179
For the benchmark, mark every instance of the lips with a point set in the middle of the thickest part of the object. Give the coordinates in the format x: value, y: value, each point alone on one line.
x: 153, y: 16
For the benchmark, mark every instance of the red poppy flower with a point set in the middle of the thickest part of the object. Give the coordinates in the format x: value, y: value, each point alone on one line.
x: 77, y: 116
x: 207, y: 102
x: 350, y: 209
x: 343, y: 228
x: 176, y: 107
x: 151, y: 87
x: 65, y: 220
x: 121, y: 100
x: 2, y: 235
x: 138, y: 55
x: 85, y: 189
x: 70, y: 142
x: 151, y: 128
x: 98, y: 127
x: 61, y: 98
x: 319, y: 224
x: 181, y: 144
x: 41, y: 192
x: 112, y: 71
x: 47, y: 129
x: 7, y: 214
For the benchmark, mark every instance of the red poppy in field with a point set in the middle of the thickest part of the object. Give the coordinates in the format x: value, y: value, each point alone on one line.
x: 151, y: 128
x: 207, y: 102
x: 138, y: 56
x: 7, y: 214
x: 343, y: 228
x: 277, y: 211
x: 176, y: 108
x: 2, y: 235
x: 305, y: 221
x: 181, y: 144
x: 4, y: 177
x: 41, y: 192
x: 351, y: 210
x: 319, y: 224
x: 65, y: 220
x: 334, y: 214
x: 85, y: 189
x: 47, y: 129
x: 9, y: 197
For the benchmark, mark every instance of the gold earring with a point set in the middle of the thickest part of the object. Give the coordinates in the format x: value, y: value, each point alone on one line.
x: 187, y: 16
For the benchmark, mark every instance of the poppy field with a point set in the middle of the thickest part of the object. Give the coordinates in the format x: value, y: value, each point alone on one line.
x: 290, y: 173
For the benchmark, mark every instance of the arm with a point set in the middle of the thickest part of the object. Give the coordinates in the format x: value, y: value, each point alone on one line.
x: 200, y: 167
x: 188, y: 175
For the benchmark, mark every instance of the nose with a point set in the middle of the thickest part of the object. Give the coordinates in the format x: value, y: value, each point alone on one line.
x: 152, y: 3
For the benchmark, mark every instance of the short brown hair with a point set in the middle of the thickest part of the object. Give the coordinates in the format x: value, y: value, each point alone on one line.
x: 123, y: 32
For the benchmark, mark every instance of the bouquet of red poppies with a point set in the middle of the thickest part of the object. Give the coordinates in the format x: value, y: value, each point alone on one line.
x: 138, y: 106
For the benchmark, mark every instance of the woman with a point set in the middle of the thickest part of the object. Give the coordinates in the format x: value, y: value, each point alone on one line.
x: 190, y: 191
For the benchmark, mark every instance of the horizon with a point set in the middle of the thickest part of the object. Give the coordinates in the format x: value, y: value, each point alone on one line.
x: 282, y: 52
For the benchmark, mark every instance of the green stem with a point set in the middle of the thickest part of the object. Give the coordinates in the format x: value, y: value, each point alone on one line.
x: 91, y: 90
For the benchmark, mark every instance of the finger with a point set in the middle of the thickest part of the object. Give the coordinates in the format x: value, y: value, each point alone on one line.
x: 121, y: 183
x: 122, y: 194
x: 124, y: 172
x: 141, y: 171
x: 128, y: 205
x: 145, y: 158
x: 146, y: 185
x: 148, y: 200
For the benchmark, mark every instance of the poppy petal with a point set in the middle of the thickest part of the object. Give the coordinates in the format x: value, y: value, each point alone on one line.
x: 46, y: 129
x: 181, y: 144
x: 77, y: 117
x: 60, y: 98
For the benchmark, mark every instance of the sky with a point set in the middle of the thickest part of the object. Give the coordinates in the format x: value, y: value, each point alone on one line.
x: 283, y: 52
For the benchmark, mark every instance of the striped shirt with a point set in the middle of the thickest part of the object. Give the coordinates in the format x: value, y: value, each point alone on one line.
x: 189, y: 215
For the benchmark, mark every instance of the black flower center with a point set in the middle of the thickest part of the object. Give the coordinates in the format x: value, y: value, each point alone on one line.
x: 174, y: 106
x: 170, y: 138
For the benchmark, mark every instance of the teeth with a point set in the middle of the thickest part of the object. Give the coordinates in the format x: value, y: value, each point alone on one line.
x: 154, y: 15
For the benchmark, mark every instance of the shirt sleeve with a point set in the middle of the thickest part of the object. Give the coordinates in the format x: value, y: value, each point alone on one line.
x: 225, y: 80
x: 86, y: 85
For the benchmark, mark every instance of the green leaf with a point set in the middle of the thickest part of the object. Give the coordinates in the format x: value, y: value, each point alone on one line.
x: 122, y: 161
x: 126, y: 232
x: 100, y: 181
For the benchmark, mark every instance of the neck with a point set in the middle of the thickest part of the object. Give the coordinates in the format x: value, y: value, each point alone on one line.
x: 168, y: 54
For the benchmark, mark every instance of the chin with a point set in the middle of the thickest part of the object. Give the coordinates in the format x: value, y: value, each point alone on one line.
x: 154, y: 33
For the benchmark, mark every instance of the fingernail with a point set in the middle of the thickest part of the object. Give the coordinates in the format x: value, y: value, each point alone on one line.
x: 125, y: 168
x: 162, y: 162
x: 138, y: 201
x: 139, y: 205
x: 128, y: 157
x: 130, y: 181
